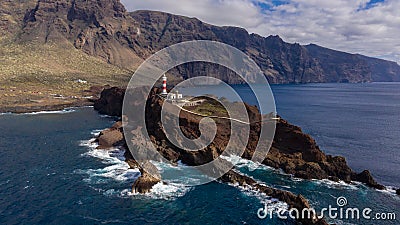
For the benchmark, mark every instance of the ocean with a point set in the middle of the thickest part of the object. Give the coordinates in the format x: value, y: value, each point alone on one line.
x: 51, y: 173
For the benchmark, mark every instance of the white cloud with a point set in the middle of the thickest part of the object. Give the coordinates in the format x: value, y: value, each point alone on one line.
x: 339, y: 24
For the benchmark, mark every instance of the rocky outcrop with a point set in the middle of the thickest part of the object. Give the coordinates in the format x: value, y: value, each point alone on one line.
x: 297, y: 153
x: 294, y: 201
x: 110, y: 102
x: 146, y: 181
x: 292, y: 150
x: 11, y: 15
x: 111, y: 137
x: 366, y: 178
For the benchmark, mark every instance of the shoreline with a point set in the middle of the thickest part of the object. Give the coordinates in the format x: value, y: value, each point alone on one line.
x: 37, y: 108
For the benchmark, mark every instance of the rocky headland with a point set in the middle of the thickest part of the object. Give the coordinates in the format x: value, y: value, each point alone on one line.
x: 292, y: 151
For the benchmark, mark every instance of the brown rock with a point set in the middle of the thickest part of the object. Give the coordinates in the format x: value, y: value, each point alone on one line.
x: 146, y: 181
x: 110, y: 102
x: 292, y: 150
x: 294, y: 201
x: 111, y: 137
x: 366, y: 178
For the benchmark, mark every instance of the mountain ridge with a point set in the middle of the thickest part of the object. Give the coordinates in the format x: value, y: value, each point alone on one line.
x: 47, y: 45
x: 104, y: 29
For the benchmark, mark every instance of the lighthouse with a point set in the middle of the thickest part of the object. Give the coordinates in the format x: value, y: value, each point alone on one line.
x: 164, y: 85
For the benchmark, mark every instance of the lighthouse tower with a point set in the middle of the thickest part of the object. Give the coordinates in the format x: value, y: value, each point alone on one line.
x: 164, y: 85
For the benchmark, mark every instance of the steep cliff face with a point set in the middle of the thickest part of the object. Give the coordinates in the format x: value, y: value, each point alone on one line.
x: 281, y: 62
x: 12, y: 13
x: 382, y: 70
x: 104, y: 29
x: 341, y: 66
x: 99, y: 28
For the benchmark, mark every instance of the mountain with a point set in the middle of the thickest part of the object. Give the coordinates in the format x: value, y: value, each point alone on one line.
x: 104, y: 36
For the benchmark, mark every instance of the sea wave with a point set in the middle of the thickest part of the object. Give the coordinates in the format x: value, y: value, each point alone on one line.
x: 337, y: 185
x: 118, y: 170
x: 390, y: 191
x: 240, y: 162
x: 162, y: 190
x: 265, y: 200
x: 64, y: 111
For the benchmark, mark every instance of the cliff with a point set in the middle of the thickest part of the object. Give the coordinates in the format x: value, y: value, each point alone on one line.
x: 105, y: 30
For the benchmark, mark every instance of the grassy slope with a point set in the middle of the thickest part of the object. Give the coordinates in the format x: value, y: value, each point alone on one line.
x: 31, y: 73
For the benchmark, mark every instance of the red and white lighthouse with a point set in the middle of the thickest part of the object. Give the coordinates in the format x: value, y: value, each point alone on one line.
x: 164, y: 85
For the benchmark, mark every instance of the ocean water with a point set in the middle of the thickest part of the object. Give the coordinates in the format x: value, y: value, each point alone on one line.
x: 51, y: 173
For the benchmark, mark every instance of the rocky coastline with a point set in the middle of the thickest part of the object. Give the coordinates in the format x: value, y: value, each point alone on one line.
x: 292, y: 151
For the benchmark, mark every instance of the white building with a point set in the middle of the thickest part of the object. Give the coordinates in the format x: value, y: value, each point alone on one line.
x: 174, y: 96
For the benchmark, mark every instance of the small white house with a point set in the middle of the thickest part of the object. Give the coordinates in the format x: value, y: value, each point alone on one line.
x: 175, y: 96
x: 81, y: 81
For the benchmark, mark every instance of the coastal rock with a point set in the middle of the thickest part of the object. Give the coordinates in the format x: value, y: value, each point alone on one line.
x: 366, y: 177
x: 110, y: 102
x: 146, y: 181
x: 111, y: 137
x: 292, y: 150
x: 398, y: 191
x: 294, y: 201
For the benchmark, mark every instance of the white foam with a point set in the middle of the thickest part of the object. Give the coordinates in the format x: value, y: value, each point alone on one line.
x: 240, y: 162
x: 245, y: 163
x: 96, y: 132
x: 118, y: 170
x: 89, y: 143
x: 390, y: 191
x: 64, y: 111
x: 162, y: 190
x: 273, y: 203
x: 337, y: 185
x: 70, y: 110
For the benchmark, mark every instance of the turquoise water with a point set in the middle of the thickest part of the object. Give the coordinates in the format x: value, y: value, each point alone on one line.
x: 51, y: 174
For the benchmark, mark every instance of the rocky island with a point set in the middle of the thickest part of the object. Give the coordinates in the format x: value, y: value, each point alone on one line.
x: 292, y: 151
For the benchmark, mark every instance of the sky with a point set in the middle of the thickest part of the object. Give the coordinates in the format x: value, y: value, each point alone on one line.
x: 368, y: 27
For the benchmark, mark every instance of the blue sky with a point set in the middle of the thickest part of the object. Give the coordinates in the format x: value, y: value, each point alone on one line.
x: 369, y: 27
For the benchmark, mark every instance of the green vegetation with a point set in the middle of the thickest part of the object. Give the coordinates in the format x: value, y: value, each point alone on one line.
x: 33, y: 73
x: 209, y: 108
